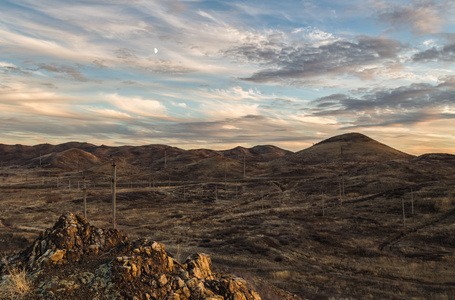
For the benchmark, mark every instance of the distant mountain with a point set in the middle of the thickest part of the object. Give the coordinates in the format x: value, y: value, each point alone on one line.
x: 19, y: 154
x: 349, y: 147
x: 260, y: 153
x: 140, y: 161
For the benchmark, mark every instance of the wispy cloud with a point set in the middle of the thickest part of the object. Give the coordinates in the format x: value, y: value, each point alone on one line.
x: 445, y: 54
x: 67, y: 71
x: 289, y: 64
x: 405, y: 105
x: 421, y: 17
x: 138, y: 106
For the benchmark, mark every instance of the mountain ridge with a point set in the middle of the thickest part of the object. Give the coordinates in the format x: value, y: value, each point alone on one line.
x: 170, y: 161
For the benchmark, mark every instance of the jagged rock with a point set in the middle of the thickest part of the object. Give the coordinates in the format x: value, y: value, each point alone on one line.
x: 199, y: 265
x: 68, y: 240
x: 74, y: 260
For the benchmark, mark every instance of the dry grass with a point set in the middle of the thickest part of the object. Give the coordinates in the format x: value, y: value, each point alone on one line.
x: 15, y: 285
x: 272, y: 232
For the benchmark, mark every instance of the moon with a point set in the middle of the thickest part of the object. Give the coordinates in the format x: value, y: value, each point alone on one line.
x: 156, y: 51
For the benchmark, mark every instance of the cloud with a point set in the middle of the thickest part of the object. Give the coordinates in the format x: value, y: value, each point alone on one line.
x: 7, y: 68
x: 125, y: 54
x: 438, y: 54
x: 305, y: 62
x: 237, y: 93
x: 233, y: 131
x: 137, y: 105
x: 405, y: 105
x: 421, y: 17
x: 110, y: 114
x: 69, y: 72
x: 224, y: 110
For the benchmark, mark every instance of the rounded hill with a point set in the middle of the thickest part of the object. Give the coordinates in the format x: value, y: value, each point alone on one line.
x: 349, y: 147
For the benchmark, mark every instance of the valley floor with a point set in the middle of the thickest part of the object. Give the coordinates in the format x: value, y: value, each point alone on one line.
x: 274, y: 232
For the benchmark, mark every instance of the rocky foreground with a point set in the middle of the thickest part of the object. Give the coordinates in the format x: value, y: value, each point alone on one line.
x: 74, y: 260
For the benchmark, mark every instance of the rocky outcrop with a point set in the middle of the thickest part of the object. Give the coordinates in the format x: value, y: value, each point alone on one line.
x: 71, y: 238
x: 74, y: 260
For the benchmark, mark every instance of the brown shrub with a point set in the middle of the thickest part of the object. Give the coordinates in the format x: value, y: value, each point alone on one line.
x: 15, y: 286
x: 442, y: 204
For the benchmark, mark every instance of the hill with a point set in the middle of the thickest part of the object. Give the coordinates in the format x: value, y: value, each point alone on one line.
x: 349, y: 147
x: 73, y: 159
x: 260, y: 153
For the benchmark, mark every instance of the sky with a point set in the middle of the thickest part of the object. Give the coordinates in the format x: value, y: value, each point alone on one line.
x: 218, y: 74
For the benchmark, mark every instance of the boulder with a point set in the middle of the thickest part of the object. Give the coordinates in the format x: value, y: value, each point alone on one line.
x: 72, y: 258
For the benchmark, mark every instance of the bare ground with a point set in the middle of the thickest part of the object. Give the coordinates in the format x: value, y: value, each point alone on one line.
x: 296, y: 233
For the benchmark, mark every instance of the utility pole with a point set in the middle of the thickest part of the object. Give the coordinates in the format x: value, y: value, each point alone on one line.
x: 84, y: 189
x: 323, y: 204
x: 262, y: 197
x: 40, y: 160
x: 114, y: 182
x: 341, y: 193
x: 412, y: 202
x: 225, y: 172
x: 342, y: 175
x: 404, y: 214
x: 244, y: 166
x: 165, y: 159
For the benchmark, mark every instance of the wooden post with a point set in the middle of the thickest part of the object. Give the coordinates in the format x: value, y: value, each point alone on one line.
x: 114, y: 181
x: 341, y: 193
x: 165, y: 159
x: 342, y: 172
x: 225, y: 173
x: 323, y: 204
x: 404, y: 214
x: 244, y: 166
x: 84, y: 189
x: 412, y: 202
x: 262, y: 196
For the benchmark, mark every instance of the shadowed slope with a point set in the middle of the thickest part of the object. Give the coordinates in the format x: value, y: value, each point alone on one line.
x: 349, y: 147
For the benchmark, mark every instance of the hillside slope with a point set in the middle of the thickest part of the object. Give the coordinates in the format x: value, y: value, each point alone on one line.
x: 350, y: 147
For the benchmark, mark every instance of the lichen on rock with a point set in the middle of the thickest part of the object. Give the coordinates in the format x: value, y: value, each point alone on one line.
x: 76, y: 260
